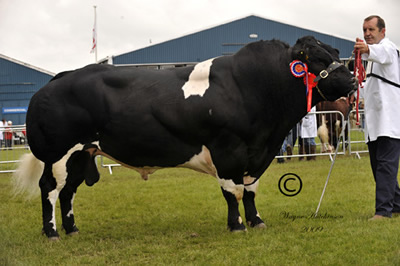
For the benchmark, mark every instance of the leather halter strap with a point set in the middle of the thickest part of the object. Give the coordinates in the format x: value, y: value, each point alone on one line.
x: 320, y: 93
x: 325, y: 73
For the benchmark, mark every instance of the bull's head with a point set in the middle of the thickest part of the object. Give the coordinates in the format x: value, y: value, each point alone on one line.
x: 334, y: 79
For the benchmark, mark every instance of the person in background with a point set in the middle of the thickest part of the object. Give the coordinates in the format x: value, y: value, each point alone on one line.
x: 2, y: 125
x: 382, y: 109
x: 288, y: 145
x: 8, y: 134
x: 307, y: 135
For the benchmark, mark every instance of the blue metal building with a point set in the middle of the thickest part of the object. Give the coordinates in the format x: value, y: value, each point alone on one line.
x: 224, y: 39
x: 18, y: 82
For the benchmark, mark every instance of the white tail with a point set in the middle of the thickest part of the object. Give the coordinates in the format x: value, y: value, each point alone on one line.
x: 27, y: 176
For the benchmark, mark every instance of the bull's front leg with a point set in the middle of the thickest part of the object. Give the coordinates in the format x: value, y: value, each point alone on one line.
x: 253, y: 218
x: 49, y: 194
x: 233, y: 193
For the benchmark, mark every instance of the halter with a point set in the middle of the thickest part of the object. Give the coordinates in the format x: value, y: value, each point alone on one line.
x: 300, y: 69
x: 325, y: 73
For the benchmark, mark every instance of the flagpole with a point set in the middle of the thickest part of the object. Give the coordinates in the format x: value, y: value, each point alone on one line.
x: 94, y: 37
x: 95, y: 26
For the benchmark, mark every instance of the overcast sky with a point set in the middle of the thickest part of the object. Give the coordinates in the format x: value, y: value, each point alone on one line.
x: 56, y: 35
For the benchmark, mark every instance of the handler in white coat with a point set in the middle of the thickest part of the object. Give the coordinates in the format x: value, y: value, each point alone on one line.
x: 382, y: 113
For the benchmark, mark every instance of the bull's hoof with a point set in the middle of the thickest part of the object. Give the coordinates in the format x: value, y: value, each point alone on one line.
x: 239, y: 231
x: 260, y: 226
x: 237, y: 228
x: 51, y: 236
x: 257, y: 223
x: 71, y: 231
x: 54, y: 238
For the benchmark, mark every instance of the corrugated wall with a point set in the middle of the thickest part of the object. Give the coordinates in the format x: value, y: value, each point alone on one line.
x: 225, y: 39
x: 17, y: 85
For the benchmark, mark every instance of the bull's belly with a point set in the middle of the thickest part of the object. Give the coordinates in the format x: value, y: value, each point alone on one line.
x: 200, y: 161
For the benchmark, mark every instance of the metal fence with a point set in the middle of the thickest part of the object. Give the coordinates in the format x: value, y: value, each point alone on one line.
x: 357, y: 145
x: 353, y: 142
x: 14, y: 143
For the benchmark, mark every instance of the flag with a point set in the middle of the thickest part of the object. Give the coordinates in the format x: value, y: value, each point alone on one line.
x: 94, y: 41
x: 94, y: 44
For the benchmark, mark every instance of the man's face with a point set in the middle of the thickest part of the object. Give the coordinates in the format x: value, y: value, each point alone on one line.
x: 372, y: 35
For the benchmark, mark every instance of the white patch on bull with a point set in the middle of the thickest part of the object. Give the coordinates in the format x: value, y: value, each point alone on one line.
x: 71, y: 212
x: 198, y: 81
x: 253, y: 187
x: 202, y: 162
x: 230, y: 186
x: 52, y: 197
x: 247, y: 180
x: 60, y: 167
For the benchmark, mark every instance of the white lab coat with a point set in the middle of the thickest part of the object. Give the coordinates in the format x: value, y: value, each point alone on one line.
x: 382, y: 100
x: 308, y: 128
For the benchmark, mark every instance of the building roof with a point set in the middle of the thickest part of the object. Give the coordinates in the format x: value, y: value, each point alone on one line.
x: 18, y: 82
x: 26, y: 65
x: 225, y: 39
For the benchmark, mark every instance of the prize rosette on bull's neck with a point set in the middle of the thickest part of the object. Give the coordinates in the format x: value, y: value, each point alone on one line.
x: 299, y: 69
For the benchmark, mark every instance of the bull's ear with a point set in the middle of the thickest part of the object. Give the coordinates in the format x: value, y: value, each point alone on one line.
x: 91, y: 173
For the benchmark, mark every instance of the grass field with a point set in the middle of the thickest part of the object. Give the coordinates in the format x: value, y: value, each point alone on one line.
x: 178, y: 217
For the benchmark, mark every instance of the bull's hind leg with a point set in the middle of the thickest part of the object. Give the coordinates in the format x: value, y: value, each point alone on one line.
x: 253, y: 219
x: 67, y: 196
x: 49, y: 193
x: 80, y: 166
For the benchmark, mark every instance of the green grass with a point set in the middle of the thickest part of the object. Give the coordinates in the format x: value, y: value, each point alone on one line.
x: 179, y: 217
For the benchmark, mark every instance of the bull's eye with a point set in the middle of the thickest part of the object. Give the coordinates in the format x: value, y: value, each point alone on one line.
x: 318, y: 42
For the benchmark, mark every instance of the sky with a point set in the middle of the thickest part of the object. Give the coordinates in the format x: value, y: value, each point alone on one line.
x: 56, y: 35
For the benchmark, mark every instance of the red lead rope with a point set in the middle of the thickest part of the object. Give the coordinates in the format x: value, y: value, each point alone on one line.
x: 359, y: 73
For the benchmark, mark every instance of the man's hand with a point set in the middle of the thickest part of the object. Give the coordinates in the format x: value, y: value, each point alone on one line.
x: 361, y: 46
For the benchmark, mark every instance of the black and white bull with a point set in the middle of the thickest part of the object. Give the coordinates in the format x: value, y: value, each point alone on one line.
x: 226, y: 117
x: 330, y: 125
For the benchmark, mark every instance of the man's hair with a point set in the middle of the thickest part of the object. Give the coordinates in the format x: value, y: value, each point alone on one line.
x: 381, y: 22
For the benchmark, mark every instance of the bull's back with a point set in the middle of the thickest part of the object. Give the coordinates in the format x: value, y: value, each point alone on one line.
x: 82, y: 105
